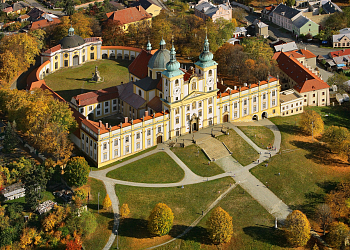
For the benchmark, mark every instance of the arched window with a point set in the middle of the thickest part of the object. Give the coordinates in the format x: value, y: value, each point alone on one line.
x: 193, y: 105
x: 194, y: 86
x: 177, y: 83
x: 176, y: 111
x: 210, y: 73
x: 210, y: 101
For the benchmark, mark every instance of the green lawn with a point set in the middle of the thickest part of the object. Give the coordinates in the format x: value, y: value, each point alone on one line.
x: 241, y: 150
x: 156, y: 168
x: 307, y: 170
x: 69, y: 82
x: 122, y: 160
x: 99, y: 238
x: 260, y: 135
x: 197, y: 161
x: 186, y: 203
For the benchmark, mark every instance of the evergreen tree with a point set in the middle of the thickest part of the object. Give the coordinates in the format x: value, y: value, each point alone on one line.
x: 69, y: 7
x: 10, y: 138
x: 160, y: 220
x: 220, y: 227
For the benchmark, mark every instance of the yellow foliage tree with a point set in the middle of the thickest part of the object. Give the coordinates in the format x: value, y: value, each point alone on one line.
x: 338, y: 232
x: 338, y: 140
x: 9, y: 67
x: 220, y: 227
x: 124, y: 211
x: 29, y: 238
x: 107, y: 202
x: 297, y: 229
x: 160, y: 220
x: 311, y: 122
x: 49, y: 222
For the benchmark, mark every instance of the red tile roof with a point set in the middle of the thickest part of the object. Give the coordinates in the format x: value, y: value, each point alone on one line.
x: 96, y: 96
x: 8, y: 10
x: 44, y: 23
x: 53, y: 49
x: 305, y: 79
x: 129, y: 15
x: 155, y: 104
x: 139, y: 66
x: 308, y: 54
x: 342, y: 52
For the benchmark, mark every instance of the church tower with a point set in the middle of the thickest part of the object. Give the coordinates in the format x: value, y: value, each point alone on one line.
x: 172, y: 79
x: 207, y: 68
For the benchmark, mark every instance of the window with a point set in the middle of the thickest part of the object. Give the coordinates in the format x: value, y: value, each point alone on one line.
x: 138, y: 145
x: 200, y: 113
x: 98, y: 112
x: 66, y: 55
x: 188, y: 108
x: 90, y: 143
x: 105, y: 146
x: 210, y: 110
x: 194, y: 86
x: 56, y: 65
x: 313, y: 102
x: 82, y: 137
x: 254, y: 109
x: 98, y: 106
x: 210, y: 73
x: 245, y: 102
x: 126, y: 138
x: 322, y: 93
x: 225, y: 108
x: 274, y: 111
x: 177, y: 83
x: 116, y: 142
x: 83, y: 58
x: 210, y: 100
x: 106, y: 110
x: 65, y: 63
x: 187, y: 117
x: 90, y: 108
x: 210, y: 122
x: 106, y: 104
x: 159, y: 129
x: 138, y: 136
x: 304, y: 100
x: 322, y: 100
x: 177, y: 111
x: 264, y: 105
x: 140, y: 94
x: 199, y: 104
x: 116, y: 153
x: 105, y: 156
x: 291, y: 105
x: 81, y: 110
x: 254, y: 99
x: 313, y: 95
x: 95, y: 157
x: 127, y: 149
x: 274, y: 103
x: 114, y: 108
x: 273, y: 93
x: 92, y: 56
x: 193, y: 105
x: 177, y: 120
x: 87, y: 139
x: 95, y: 145
x: 235, y: 105
x: 149, y: 142
x: 245, y: 112
x: 264, y: 96
x: 296, y: 104
x: 92, y: 48
x: 177, y: 133
x: 149, y: 132
x: 235, y: 114
x: 82, y: 146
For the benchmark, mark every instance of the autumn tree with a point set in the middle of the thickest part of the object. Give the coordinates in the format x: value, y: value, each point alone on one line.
x: 74, y: 244
x: 10, y: 138
x: 338, y: 232
x: 160, y: 220
x: 311, y: 123
x: 39, y: 35
x: 337, y: 201
x: 107, y: 202
x: 339, y: 80
x: 9, y: 67
x: 124, y: 211
x: 338, y: 140
x: 220, y: 227
x: 297, y: 229
x: 84, y: 225
x: 324, y: 216
x: 77, y: 171
x: 113, y: 33
x: 30, y: 237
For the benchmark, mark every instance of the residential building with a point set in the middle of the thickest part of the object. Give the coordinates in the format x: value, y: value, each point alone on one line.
x: 261, y: 29
x: 23, y: 18
x: 13, y: 191
x: 129, y: 16
x: 298, y: 75
x: 340, y: 59
x: 266, y: 13
x: 304, y: 26
x: 239, y: 32
x: 285, y: 47
x: 151, y: 7
x: 291, y: 102
x: 284, y: 16
x: 43, y: 23
x: 206, y: 10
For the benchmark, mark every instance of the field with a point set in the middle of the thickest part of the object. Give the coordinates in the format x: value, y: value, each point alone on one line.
x: 69, y: 82
x: 260, y: 135
x: 156, y: 168
x: 196, y: 160
x: 241, y: 150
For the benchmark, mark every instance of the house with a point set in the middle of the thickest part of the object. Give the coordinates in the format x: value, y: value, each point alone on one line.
x: 151, y: 7
x: 240, y: 32
x: 35, y: 14
x: 304, y: 26
x: 23, y: 18
x: 266, y: 12
x: 285, y: 47
x: 3, y: 6
x: 261, y: 29
x: 132, y: 15
x: 8, y: 10
x: 291, y: 102
x: 205, y: 10
x: 329, y: 7
x: 284, y: 16
x: 44, y: 23
x: 13, y: 191
x: 341, y: 40
x: 233, y: 41
x: 296, y: 74
x: 20, y: 7
x: 341, y: 59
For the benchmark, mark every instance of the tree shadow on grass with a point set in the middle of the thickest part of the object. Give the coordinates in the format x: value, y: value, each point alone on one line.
x: 309, y: 208
x: 266, y: 234
x: 289, y: 129
x: 319, y: 153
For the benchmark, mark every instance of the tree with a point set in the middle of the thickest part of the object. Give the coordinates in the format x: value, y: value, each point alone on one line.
x: 339, y: 79
x: 69, y: 7
x: 74, y: 244
x: 107, y: 202
x: 39, y: 35
x: 84, y: 225
x: 35, y: 184
x: 220, y: 227
x: 77, y: 171
x: 311, y: 123
x: 124, y: 211
x: 337, y: 201
x: 290, y: 3
x: 297, y: 229
x: 10, y: 138
x: 9, y: 66
x: 112, y: 33
x: 324, y: 216
x: 160, y: 220
x: 338, y: 140
x: 338, y: 232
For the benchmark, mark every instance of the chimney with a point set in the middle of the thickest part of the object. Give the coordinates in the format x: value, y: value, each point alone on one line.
x: 259, y: 83
x: 125, y: 119
x: 245, y: 84
x: 100, y: 123
x: 250, y: 85
x: 106, y: 124
x: 235, y: 87
x: 146, y: 113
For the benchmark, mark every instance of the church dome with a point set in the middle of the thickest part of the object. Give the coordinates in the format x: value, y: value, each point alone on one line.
x: 173, y: 64
x: 160, y: 58
x: 71, y: 41
x: 206, y: 55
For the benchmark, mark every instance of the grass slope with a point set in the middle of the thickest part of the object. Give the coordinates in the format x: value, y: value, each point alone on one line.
x: 196, y: 160
x: 260, y: 135
x: 156, y: 168
x: 240, y: 149
x: 69, y: 82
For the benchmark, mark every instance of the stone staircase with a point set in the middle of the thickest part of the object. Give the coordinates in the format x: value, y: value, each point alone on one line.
x: 213, y: 148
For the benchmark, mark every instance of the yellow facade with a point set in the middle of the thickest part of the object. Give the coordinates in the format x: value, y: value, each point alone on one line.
x: 154, y: 10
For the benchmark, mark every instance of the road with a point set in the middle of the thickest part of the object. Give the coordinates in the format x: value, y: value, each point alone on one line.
x: 35, y: 4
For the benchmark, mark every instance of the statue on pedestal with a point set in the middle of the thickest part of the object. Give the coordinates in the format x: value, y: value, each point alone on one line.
x: 96, y: 76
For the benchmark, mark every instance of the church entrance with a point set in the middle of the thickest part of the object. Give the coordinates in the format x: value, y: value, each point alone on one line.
x: 159, y: 139
x: 255, y: 118
x: 112, y: 56
x: 264, y: 115
x: 75, y: 60
x: 194, y: 127
x: 225, y: 118
x: 194, y: 124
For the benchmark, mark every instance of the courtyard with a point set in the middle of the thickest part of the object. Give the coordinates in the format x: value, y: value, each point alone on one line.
x: 68, y: 82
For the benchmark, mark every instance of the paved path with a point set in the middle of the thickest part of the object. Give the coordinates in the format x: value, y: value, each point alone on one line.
x: 232, y: 168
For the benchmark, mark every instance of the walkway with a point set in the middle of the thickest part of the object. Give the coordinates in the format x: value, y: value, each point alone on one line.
x: 232, y: 168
